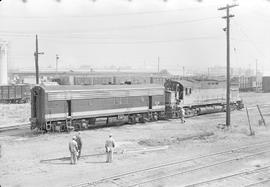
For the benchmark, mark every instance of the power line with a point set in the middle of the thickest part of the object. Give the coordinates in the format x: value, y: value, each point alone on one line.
x: 251, y: 42
x: 131, y: 42
x: 125, y: 28
x: 106, y: 15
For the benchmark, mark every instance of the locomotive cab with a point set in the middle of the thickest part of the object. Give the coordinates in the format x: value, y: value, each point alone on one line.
x: 174, y: 92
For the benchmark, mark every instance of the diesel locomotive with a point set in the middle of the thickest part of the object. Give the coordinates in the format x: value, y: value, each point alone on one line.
x: 64, y: 108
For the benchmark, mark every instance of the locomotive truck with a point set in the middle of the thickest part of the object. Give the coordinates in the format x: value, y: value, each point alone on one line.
x: 65, y: 108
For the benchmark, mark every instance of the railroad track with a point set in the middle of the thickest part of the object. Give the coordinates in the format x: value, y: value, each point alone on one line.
x: 14, y: 127
x: 182, y: 167
x: 262, y: 182
x: 229, y: 180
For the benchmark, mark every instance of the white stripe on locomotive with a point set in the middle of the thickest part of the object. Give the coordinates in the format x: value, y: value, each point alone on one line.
x: 106, y: 112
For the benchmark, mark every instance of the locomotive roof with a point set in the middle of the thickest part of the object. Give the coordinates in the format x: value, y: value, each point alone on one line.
x: 100, y: 91
x: 98, y: 87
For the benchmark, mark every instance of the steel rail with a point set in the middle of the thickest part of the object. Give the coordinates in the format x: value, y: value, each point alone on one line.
x: 246, y: 172
x: 259, y: 144
x: 197, y: 168
x: 257, y: 183
x: 14, y: 127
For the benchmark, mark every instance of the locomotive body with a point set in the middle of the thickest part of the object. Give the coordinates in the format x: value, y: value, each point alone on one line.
x: 64, y: 107
x: 209, y: 96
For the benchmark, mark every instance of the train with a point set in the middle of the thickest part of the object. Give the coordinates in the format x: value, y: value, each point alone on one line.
x: 77, y: 107
x: 15, y: 93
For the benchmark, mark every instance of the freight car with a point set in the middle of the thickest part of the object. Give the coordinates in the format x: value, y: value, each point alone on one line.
x: 15, y: 93
x: 63, y: 108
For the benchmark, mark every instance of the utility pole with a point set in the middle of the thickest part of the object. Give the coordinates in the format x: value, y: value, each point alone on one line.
x: 56, y: 63
x: 256, y: 75
x: 183, y: 72
x: 36, y: 60
x: 227, y: 29
x: 158, y: 64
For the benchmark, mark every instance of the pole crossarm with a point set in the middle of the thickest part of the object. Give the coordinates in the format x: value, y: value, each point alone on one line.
x: 225, y: 17
x: 228, y: 6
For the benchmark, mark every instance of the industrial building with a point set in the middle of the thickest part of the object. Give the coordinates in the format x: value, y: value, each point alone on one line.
x: 3, y: 62
x: 266, y: 84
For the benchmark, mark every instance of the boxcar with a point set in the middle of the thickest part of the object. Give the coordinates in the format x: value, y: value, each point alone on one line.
x: 77, y: 107
x: 15, y: 93
x: 266, y: 84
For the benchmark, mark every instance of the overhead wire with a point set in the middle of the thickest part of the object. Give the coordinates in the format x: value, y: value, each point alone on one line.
x: 251, y: 42
x: 84, y: 40
x: 63, y: 32
x: 107, y: 15
x: 148, y: 41
x: 108, y: 40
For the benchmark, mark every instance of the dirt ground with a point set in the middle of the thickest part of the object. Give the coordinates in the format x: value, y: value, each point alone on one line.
x: 24, y: 154
x: 12, y: 114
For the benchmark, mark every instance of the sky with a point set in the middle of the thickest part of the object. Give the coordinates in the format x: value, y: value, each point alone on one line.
x: 135, y: 33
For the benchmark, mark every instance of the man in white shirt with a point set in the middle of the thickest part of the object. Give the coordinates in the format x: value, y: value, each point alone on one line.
x: 109, y: 146
x: 73, y: 148
x: 182, y: 115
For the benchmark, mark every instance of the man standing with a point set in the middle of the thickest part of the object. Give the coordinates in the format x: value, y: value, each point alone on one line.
x: 73, y: 148
x: 182, y: 114
x: 109, y: 146
x: 79, y: 143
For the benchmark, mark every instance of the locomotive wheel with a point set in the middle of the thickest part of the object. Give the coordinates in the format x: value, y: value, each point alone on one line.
x: 155, y: 116
x: 141, y: 119
x: 48, y: 127
x: 131, y: 120
x: 77, y: 127
x: 191, y: 112
x: 62, y: 127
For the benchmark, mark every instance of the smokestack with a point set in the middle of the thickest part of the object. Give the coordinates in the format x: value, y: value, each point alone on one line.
x: 3, y: 63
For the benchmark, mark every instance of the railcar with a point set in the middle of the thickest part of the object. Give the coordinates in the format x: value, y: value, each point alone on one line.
x: 14, y: 93
x: 203, y: 97
x: 61, y: 108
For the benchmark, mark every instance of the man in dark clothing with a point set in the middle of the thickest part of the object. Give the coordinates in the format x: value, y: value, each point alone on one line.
x: 79, y: 143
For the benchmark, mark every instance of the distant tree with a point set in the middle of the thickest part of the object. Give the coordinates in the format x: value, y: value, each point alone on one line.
x: 164, y: 72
